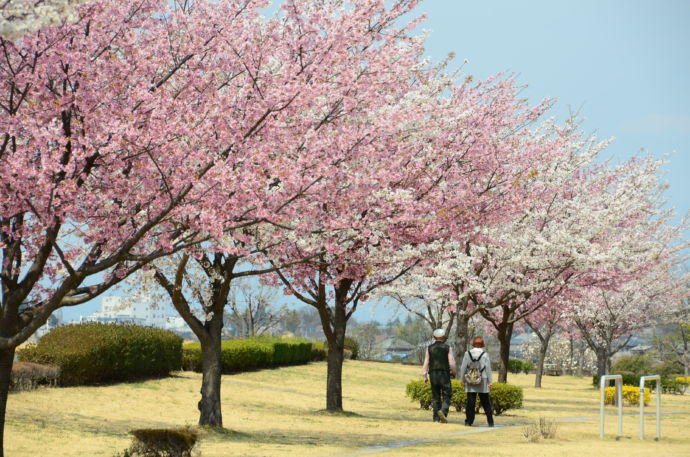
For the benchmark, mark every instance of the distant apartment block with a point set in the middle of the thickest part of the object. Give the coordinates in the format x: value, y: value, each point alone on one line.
x: 122, y: 310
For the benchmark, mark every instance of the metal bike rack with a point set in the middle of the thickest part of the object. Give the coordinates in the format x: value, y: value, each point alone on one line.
x: 644, y: 379
x: 603, y: 383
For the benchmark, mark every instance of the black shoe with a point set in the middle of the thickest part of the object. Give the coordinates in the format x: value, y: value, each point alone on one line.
x: 442, y: 417
x: 491, y: 425
x: 467, y: 424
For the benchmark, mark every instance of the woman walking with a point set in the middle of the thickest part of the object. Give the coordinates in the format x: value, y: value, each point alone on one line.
x: 475, y: 373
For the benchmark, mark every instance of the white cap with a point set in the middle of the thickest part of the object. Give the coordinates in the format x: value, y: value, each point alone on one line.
x: 439, y: 333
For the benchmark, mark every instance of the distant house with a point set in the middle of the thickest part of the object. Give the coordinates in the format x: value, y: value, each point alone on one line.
x: 394, y: 348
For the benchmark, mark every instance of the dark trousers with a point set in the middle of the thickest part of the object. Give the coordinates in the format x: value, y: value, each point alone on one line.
x: 486, y: 405
x: 440, y: 384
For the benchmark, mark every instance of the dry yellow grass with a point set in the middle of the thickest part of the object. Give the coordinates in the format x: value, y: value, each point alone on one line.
x: 279, y: 413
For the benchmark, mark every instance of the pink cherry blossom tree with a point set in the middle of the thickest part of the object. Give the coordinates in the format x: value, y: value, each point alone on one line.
x: 381, y: 219
x: 138, y: 131
x: 336, y: 66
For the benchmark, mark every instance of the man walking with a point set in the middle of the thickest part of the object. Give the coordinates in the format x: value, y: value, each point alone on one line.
x: 439, y: 365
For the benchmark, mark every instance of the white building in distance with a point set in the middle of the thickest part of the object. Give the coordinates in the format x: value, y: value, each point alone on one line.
x: 121, y: 310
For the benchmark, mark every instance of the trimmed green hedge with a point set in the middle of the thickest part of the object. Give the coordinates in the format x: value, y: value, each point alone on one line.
x: 95, y: 353
x: 319, y: 352
x: 252, y: 354
x: 503, y: 396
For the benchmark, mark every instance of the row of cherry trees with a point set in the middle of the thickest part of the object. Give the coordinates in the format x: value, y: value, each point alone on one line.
x: 592, y: 254
x: 192, y: 143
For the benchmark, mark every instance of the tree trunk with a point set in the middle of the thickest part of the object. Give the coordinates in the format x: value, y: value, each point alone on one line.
x: 209, y: 406
x: 505, y: 332
x: 571, y: 354
x: 462, y: 335
x: 602, y: 362
x: 543, y: 348
x: 686, y: 355
x: 6, y: 360
x: 334, y: 379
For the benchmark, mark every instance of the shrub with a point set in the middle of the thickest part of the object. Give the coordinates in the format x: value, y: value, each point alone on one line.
x: 527, y: 367
x: 288, y: 351
x: 629, y: 379
x: 252, y: 354
x: 318, y: 352
x: 503, y: 396
x: 352, y: 345
x: 94, y: 353
x: 683, y: 383
x: 418, y: 391
x: 514, y: 366
x: 458, y: 398
x: 150, y: 442
x: 631, y: 395
x: 639, y: 365
x: 28, y: 376
x: 673, y: 386
x: 667, y: 369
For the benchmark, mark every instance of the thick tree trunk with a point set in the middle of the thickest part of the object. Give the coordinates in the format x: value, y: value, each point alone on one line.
x: 210, y: 406
x: 462, y: 335
x: 602, y: 362
x: 6, y: 359
x: 505, y: 332
x: 334, y: 378
x: 336, y: 348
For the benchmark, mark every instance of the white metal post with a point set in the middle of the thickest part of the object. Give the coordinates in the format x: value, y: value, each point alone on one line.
x: 644, y: 379
x: 603, y: 382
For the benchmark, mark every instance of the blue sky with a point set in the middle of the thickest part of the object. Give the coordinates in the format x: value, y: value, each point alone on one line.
x: 623, y: 64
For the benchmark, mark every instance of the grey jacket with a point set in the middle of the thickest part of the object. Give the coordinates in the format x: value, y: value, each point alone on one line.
x: 484, y: 363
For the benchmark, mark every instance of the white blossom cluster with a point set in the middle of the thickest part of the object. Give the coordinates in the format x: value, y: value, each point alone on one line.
x: 20, y: 17
x: 563, y: 354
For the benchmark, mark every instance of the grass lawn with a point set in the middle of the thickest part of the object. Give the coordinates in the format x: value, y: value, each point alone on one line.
x: 280, y: 413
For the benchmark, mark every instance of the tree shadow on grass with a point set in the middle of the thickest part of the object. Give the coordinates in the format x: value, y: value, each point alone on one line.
x: 325, y: 412
x: 292, y: 437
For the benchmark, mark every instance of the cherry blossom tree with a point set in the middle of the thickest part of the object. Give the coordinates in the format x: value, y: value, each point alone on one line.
x: 607, y: 318
x: 564, y: 353
x: 341, y: 63
x: 382, y: 217
x: 138, y: 131
x: 92, y: 167
x: 545, y: 323
x: 199, y: 284
x: 436, y: 314
x: 580, y: 232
